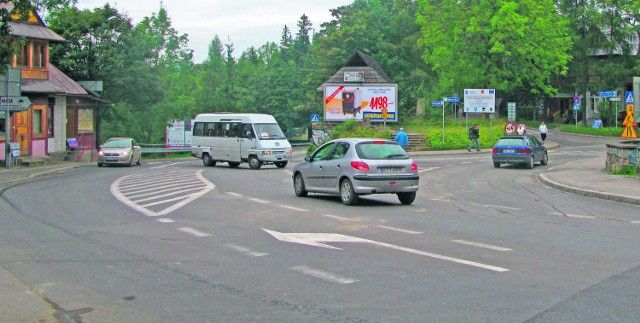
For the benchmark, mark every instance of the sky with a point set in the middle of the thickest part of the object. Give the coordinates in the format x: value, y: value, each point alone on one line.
x: 245, y: 22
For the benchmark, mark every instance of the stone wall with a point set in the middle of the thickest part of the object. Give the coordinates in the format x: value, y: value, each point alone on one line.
x: 622, y: 154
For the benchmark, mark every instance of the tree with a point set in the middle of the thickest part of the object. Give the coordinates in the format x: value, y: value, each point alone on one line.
x: 504, y: 45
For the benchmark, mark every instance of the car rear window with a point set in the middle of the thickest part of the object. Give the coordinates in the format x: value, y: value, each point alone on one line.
x: 374, y: 150
x: 510, y: 142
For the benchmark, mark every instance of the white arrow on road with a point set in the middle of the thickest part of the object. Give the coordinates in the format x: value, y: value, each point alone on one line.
x: 320, y: 240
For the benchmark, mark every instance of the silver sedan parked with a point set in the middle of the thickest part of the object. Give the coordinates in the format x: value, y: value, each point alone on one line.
x: 350, y: 167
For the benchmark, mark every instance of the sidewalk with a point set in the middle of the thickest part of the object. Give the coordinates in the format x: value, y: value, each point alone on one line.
x: 584, y: 177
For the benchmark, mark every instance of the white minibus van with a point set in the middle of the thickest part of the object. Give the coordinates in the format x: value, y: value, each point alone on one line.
x: 240, y: 137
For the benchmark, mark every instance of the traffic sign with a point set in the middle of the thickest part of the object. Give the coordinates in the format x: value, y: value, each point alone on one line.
x: 629, y: 97
x: 436, y: 103
x: 452, y: 99
x: 15, y: 103
x: 510, y: 128
x: 576, y: 107
x: 315, y: 117
x: 607, y: 94
x: 615, y: 99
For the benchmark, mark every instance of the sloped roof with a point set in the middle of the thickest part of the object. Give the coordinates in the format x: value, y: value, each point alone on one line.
x: 58, y: 83
x: 360, y: 62
x: 35, y: 29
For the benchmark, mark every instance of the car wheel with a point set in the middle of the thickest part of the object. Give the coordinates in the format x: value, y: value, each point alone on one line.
x: 139, y: 161
x: 496, y: 164
x: 407, y: 198
x: 530, y: 163
x: 298, y: 186
x: 130, y: 161
x: 234, y: 164
x: 281, y: 164
x: 545, y: 159
x: 347, y: 194
x: 99, y: 164
x: 207, y: 161
x: 254, y: 162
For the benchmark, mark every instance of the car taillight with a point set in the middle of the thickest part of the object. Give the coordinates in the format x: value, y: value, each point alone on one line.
x: 494, y: 151
x: 525, y: 150
x: 414, y: 166
x: 360, y: 166
x: 378, y: 141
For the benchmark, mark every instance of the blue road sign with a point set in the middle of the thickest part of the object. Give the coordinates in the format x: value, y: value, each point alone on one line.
x: 436, y: 103
x: 576, y: 107
x: 628, y: 97
x: 315, y: 117
x: 452, y: 99
x: 607, y: 94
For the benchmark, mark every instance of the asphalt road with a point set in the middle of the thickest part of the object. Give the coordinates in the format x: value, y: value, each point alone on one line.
x: 173, y: 241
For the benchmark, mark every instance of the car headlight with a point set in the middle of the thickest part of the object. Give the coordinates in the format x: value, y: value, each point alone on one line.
x: 100, y: 153
x: 289, y: 151
x: 266, y: 152
x: 124, y: 153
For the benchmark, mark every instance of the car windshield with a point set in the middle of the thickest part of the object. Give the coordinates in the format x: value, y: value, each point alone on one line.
x: 510, y: 142
x: 383, y: 150
x: 269, y: 131
x: 117, y: 143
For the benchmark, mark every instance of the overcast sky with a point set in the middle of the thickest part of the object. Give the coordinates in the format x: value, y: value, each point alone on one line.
x: 246, y: 22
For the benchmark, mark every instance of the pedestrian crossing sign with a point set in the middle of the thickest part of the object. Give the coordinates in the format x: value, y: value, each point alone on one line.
x: 629, y: 123
x: 628, y: 97
x: 315, y: 118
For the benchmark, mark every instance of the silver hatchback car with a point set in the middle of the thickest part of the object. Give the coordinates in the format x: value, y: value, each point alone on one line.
x: 350, y: 167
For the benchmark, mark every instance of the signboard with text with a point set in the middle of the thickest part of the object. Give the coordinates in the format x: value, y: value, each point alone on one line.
x: 480, y: 100
x: 346, y: 102
x: 176, y: 136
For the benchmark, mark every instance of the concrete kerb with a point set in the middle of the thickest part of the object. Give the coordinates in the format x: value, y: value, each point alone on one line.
x: 590, y: 193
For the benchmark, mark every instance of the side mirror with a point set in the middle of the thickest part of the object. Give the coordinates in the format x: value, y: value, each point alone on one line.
x: 308, y: 158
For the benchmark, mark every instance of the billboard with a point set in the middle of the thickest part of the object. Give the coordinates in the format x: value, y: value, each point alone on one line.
x: 176, y: 136
x: 351, y: 102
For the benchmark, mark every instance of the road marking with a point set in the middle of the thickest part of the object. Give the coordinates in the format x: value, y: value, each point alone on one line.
x: 463, y: 163
x: 503, y: 207
x: 334, y: 278
x: 574, y: 215
x: 246, y: 251
x: 482, y: 245
x: 441, y: 200
x: 166, y: 220
x: 339, y: 218
x: 194, y: 232
x: 259, y: 200
x: 168, y: 201
x: 427, y: 169
x: 635, y: 222
x: 172, y: 164
x: 235, y: 194
x: 399, y: 230
x: 317, y: 239
x: 293, y: 208
x: 155, y: 197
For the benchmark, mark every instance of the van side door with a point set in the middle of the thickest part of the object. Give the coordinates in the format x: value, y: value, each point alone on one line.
x: 248, y: 140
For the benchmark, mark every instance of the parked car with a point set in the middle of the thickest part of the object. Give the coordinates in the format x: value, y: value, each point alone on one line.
x: 120, y: 151
x: 350, y: 167
x: 519, y: 149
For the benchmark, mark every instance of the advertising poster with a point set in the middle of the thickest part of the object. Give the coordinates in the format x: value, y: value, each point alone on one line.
x: 176, y: 136
x: 345, y: 102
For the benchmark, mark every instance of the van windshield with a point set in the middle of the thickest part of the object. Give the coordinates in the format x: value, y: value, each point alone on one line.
x: 268, y: 131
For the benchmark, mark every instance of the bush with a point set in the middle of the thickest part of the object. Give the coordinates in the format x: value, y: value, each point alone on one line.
x: 608, y: 132
x: 627, y: 170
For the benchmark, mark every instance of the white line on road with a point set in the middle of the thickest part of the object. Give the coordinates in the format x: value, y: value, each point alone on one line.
x: 246, y: 251
x: 574, y: 215
x: 334, y: 278
x: 166, y: 220
x: 259, y: 200
x: 502, y: 207
x: 235, y: 194
x: 635, y: 222
x: 293, y: 208
x: 427, y: 169
x: 194, y: 232
x: 441, y: 200
x: 482, y: 245
x: 339, y: 218
x: 399, y: 230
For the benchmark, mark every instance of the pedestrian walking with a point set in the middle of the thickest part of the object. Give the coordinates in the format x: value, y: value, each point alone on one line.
x: 543, y: 131
x: 401, y: 138
x: 474, y: 135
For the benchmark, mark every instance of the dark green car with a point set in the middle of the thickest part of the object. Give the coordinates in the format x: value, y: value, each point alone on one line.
x: 520, y: 149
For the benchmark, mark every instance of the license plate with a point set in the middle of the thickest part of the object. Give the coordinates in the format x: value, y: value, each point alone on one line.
x: 111, y: 159
x: 279, y: 156
x: 508, y: 151
x: 390, y: 170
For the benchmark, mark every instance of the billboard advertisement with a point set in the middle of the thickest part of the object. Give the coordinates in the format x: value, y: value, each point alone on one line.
x: 480, y: 100
x: 350, y: 102
x: 176, y: 136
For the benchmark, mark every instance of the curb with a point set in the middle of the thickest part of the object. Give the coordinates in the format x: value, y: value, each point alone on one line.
x: 589, y: 193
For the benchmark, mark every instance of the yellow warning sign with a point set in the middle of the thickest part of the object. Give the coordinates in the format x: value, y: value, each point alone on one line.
x: 629, y: 123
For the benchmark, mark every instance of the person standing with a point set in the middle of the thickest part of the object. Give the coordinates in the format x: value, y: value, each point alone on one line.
x: 402, y: 138
x: 543, y: 131
x: 474, y: 135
